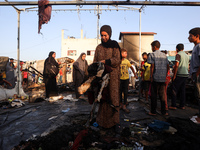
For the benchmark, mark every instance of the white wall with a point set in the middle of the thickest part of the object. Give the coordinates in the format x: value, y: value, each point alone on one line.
x: 80, y: 45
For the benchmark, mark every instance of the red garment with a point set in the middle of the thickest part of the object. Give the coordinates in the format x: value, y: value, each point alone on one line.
x: 142, y: 64
x: 21, y: 65
x: 61, y: 72
x: 78, y: 139
x: 25, y: 75
x: 168, y: 78
x: 44, y: 12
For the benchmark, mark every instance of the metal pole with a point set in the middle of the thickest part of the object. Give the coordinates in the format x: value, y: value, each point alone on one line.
x: 160, y: 3
x: 98, y: 17
x: 140, y: 37
x: 140, y: 53
x: 18, y: 54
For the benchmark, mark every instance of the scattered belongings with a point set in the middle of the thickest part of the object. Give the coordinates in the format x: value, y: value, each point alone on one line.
x: 6, y: 93
x: 53, y: 117
x: 66, y: 110
x: 158, y: 125
x: 132, y: 99
x: 134, y: 133
x: 195, y: 119
x: 76, y: 137
x: 70, y: 98
x: 35, y: 85
x: 36, y: 96
x: 17, y: 103
x: 55, y: 98
x: 13, y: 101
x: 171, y: 130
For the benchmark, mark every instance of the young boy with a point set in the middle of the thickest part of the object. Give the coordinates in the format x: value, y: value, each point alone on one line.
x: 194, y: 37
x: 25, y: 77
x: 180, y: 77
x: 159, y: 69
x: 144, y: 57
x: 146, y: 77
x: 2, y: 81
x: 124, y: 79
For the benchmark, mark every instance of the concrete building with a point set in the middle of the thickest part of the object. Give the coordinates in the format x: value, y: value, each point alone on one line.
x: 130, y: 41
x: 72, y: 47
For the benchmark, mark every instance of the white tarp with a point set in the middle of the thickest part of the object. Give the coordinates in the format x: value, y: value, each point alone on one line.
x: 6, y: 93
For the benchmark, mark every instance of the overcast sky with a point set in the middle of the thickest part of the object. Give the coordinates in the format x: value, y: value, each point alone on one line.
x: 169, y: 22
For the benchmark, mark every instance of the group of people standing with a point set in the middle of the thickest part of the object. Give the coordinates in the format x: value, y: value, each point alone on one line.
x: 157, y: 68
x: 156, y: 74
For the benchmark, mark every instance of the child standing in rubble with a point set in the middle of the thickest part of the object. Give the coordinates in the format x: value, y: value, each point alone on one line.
x: 146, y: 77
x: 159, y: 69
x: 124, y: 79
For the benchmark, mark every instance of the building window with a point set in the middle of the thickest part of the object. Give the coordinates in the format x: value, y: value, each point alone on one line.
x: 71, y: 53
x: 90, y: 52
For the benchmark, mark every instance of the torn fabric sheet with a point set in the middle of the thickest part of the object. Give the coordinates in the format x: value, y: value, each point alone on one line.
x: 44, y: 12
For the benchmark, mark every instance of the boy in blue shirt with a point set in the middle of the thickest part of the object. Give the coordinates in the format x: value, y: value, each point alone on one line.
x: 194, y: 37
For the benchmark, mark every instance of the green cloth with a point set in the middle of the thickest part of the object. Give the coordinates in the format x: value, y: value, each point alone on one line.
x: 183, y: 65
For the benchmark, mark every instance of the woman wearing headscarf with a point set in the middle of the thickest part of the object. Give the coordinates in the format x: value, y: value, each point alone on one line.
x: 10, y: 74
x: 108, y: 52
x: 80, y: 72
x: 49, y: 79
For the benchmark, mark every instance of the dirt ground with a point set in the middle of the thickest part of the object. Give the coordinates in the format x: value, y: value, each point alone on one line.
x: 59, y: 125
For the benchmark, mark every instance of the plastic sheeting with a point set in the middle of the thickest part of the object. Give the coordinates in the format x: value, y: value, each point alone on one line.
x: 6, y: 93
x: 36, y: 119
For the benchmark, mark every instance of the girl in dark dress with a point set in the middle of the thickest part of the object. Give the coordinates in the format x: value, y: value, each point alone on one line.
x: 49, y: 80
x: 80, y: 72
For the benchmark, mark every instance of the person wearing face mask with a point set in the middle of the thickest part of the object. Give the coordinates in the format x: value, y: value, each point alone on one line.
x: 108, y: 52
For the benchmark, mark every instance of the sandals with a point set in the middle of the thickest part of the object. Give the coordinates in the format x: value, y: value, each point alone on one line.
x: 172, y: 108
x: 151, y: 114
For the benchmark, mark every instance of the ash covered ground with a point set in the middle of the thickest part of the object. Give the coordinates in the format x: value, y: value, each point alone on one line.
x: 61, y: 126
